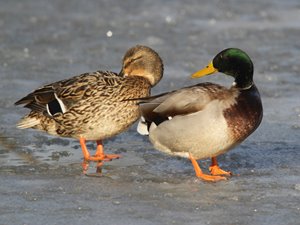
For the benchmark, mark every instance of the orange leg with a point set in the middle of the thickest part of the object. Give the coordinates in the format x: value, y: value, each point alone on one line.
x: 100, y: 153
x: 99, y: 156
x: 200, y: 174
x: 216, y: 170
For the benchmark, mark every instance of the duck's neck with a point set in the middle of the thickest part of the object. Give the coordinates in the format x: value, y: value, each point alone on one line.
x: 243, y: 82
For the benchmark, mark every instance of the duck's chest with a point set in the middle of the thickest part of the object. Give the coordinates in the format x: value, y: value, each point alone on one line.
x: 245, y: 115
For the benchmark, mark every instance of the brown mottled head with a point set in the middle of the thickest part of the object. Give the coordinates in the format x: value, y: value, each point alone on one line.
x: 143, y: 61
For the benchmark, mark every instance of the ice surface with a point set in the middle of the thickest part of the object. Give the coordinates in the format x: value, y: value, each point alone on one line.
x: 44, y: 41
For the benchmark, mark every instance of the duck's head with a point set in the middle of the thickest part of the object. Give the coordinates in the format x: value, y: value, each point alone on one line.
x: 233, y: 62
x: 143, y: 61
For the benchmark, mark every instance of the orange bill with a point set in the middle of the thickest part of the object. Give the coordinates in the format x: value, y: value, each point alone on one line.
x: 209, y: 69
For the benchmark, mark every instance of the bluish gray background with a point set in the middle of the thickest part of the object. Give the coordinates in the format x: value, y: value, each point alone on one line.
x: 44, y: 41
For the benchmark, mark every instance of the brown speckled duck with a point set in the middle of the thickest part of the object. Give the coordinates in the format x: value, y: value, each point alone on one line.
x: 205, y: 120
x: 93, y: 106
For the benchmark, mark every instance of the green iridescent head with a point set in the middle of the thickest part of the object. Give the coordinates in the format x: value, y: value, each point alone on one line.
x: 233, y: 62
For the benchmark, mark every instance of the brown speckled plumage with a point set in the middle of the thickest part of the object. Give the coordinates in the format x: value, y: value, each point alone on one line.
x: 94, y: 106
x: 100, y: 104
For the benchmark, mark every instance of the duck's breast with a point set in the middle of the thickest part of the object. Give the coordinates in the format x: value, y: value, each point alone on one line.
x: 245, y: 116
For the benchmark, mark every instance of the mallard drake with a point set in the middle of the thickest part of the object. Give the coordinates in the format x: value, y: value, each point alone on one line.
x: 205, y: 120
x: 92, y: 106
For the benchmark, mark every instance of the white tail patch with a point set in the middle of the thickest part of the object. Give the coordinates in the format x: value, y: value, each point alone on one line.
x: 142, y: 127
x: 28, y: 123
x: 152, y: 127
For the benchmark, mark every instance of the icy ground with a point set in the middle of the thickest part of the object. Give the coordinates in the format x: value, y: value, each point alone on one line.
x: 44, y: 41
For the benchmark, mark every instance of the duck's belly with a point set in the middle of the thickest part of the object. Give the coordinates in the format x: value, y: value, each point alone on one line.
x: 100, y: 128
x: 103, y: 131
x: 203, y: 137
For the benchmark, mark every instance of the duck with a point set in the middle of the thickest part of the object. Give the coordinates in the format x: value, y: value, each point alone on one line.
x: 92, y: 106
x: 207, y: 119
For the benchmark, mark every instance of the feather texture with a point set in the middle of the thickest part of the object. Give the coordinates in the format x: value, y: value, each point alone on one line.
x: 94, y: 105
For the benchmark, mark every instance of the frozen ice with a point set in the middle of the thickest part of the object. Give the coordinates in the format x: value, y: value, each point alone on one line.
x: 44, y: 41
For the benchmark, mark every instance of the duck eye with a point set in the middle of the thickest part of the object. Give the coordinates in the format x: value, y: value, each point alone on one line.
x: 135, y: 59
x: 132, y: 60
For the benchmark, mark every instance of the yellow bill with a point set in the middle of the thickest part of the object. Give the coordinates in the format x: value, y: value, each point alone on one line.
x: 209, y: 69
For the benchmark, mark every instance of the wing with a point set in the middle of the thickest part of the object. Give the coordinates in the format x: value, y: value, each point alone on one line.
x: 61, y: 95
x: 157, y: 109
x: 180, y: 102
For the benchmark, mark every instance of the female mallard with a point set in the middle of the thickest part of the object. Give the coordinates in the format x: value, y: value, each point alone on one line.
x: 93, y: 106
x: 206, y: 120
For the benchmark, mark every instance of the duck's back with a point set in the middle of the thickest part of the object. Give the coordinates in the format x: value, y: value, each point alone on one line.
x: 91, y: 105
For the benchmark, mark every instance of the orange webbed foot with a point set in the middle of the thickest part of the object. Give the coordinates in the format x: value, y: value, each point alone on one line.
x: 211, y: 178
x: 106, y: 157
x: 216, y: 170
x: 201, y: 175
x: 99, y: 157
x: 103, y: 157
